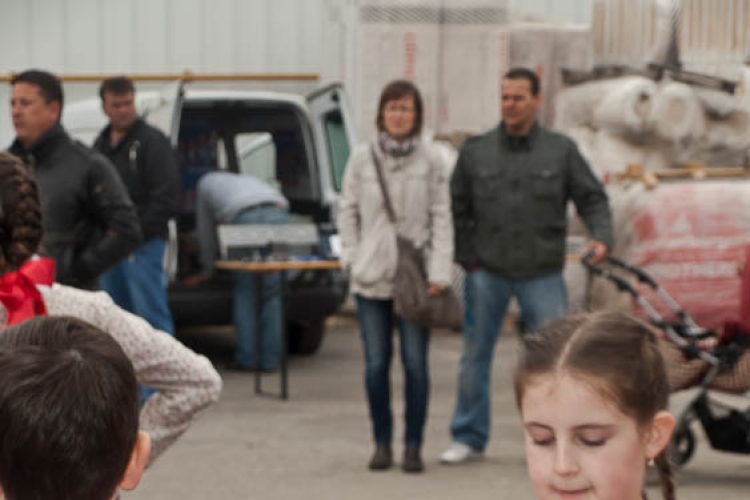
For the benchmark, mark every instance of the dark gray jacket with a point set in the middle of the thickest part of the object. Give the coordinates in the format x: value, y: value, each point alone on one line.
x: 509, y: 202
x: 89, y: 221
x: 147, y: 165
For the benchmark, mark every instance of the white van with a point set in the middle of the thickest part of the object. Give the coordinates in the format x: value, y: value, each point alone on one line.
x: 299, y: 143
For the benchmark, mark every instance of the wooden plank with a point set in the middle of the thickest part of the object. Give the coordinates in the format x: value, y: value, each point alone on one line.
x: 693, y: 170
x: 275, y: 266
x: 188, y: 76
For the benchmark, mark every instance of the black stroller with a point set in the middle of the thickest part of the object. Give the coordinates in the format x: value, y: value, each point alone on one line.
x: 695, y: 356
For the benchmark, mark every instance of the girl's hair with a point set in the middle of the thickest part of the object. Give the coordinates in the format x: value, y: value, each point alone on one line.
x: 399, y: 89
x: 617, y: 353
x: 20, y: 213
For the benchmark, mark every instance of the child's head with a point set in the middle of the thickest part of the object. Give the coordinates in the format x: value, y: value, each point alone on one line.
x: 68, y: 413
x: 20, y: 213
x: 592, y: 391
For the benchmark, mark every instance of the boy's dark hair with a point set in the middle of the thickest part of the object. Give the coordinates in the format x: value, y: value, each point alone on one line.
x: 525, y: 74
x: 68, y: 411
x: 49, y: 85
x: 617, y: 353
x: 399, y: 89
x: 117, y: 85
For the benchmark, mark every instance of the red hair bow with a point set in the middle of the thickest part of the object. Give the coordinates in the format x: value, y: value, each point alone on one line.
x: 18, y: 291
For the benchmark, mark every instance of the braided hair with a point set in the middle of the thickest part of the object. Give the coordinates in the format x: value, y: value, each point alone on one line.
x: 20, y: 214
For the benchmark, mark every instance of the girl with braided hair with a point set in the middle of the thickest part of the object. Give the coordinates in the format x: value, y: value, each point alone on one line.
x: 592, y: 391
x: 186, y: 381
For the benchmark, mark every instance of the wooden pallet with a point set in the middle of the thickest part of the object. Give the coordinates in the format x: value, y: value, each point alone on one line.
x: 692, y: 170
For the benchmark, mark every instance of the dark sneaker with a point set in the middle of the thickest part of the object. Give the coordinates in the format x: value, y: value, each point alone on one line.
x: 382, y: 459
x: 412, y: 459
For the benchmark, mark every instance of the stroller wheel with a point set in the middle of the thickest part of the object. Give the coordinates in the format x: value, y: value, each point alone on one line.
x: 682, y: 447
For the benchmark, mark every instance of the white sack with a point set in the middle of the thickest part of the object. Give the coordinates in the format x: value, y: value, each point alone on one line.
x: 575, y: 105
x: 627, y: 108
x: 731, y: 132
x: 678, y: 115
x: 585, y: 139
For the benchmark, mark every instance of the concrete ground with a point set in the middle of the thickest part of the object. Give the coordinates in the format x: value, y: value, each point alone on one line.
x: 316, y: 445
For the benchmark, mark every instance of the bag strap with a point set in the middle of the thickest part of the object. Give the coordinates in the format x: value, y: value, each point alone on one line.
x: 383, y: 187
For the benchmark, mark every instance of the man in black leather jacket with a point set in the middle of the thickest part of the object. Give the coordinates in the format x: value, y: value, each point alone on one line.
x: 89, y: 221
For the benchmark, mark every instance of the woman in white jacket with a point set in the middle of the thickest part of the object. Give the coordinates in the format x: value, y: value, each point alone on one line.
x: 418, y: 187
x: 186, y: 382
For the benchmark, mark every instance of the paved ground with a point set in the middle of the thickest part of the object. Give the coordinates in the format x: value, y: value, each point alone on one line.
x: 316, y: 445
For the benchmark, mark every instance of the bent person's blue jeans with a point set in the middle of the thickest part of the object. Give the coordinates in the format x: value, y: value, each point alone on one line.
x: 377, y: 320
x: 487, y: 295
x: 245, y: 302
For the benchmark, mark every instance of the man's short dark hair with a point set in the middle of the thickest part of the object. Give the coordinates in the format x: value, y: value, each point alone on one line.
x: 117, y: 85
x: 68, y: 411
x: 49, y: 85
x: 525, y: 74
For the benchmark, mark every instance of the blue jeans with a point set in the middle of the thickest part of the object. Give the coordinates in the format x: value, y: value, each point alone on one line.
x: 138, y: 284
x: 487, y: 297
x: 244, y: 302
x: 376, y: 319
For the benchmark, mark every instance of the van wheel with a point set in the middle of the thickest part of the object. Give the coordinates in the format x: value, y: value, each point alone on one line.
x: 305, y: 337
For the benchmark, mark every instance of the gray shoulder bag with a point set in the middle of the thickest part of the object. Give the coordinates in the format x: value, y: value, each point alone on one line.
x: 410, y: 298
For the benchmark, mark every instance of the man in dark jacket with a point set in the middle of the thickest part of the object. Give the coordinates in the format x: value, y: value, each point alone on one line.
x: 510, y: 190
x: 89, y: 221
x: 146, y: 162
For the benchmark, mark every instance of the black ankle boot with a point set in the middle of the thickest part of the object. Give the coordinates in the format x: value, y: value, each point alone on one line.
x: 412, y: 459
x: 382, y: 459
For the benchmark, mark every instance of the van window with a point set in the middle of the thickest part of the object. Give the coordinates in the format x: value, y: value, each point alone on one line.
x: 256, y: 156
x: 338, y: 146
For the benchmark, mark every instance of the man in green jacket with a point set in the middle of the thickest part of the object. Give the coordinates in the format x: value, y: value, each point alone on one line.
x: 510, y: 190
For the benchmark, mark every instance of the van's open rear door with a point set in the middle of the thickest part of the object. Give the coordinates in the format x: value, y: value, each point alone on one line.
x: 335, y: 136
x: 164, y: 113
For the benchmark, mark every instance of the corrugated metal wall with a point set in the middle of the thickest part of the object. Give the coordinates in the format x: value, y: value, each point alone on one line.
x: 201, y: 35
x: 162, y: 35
x: 158, y: 36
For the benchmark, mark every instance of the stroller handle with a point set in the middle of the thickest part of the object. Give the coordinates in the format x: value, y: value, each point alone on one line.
x: 684, y: 334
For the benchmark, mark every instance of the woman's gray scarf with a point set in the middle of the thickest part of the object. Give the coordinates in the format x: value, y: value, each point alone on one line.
x: 397, y: 149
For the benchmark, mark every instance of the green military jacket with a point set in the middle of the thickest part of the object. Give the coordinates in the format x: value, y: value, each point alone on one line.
x: 509, y: 198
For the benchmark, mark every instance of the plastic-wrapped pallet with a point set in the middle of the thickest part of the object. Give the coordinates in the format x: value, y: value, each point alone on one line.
x: 613, y: 153
x: 546, y: 48
x: 451, y: 49
x: 473, y: 56
x: 727, y: 138
x: 690, y: 237
x: 397, y: 41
